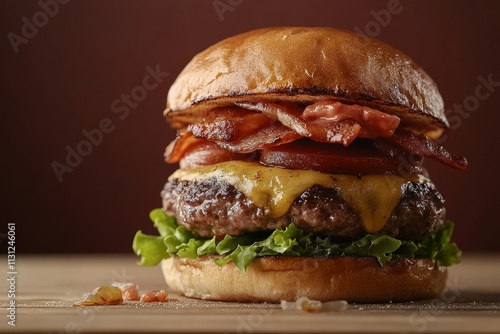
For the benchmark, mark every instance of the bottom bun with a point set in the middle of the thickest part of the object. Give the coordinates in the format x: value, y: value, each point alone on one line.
x: 272, y: 279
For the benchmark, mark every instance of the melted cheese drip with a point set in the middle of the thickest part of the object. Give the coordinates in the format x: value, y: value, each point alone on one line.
x: 374, y: 197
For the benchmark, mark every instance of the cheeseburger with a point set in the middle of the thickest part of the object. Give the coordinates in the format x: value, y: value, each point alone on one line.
x: 300, y: 156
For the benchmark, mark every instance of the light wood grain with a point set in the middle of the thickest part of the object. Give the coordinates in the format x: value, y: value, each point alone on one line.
x: 47, y: 286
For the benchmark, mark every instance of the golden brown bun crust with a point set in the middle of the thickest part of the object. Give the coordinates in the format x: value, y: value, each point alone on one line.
x: 272, y: 279
x: 306, y: 65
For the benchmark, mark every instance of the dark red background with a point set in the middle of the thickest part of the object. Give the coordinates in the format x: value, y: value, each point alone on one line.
x: 66, y: 77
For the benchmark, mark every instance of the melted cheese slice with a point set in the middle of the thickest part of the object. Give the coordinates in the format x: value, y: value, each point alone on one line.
x: 374, y: 197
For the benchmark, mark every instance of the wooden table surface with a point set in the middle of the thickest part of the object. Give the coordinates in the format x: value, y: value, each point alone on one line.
x: 46, y: 286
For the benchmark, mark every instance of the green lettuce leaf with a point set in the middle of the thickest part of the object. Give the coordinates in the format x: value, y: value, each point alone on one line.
x: 150, y: 248
x: 290, y: 241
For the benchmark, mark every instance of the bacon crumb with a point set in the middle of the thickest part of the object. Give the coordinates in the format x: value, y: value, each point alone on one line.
x: 130, y: 291
x: 154, y: 296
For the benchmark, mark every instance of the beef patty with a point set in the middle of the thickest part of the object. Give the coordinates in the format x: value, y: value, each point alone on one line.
x: 214, y: 208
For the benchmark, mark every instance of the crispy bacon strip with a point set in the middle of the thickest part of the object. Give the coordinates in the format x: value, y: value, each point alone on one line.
x: 232, y: 129
x: 250, y: 127
x: 208, y: 153
x: 242, y: 131
x: 183, y: 142
x: 321, y: 130
x: 418, y: 144
x: 374, y: 123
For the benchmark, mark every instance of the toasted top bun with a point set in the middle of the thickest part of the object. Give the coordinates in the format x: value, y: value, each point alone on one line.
x: 305, y: 65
